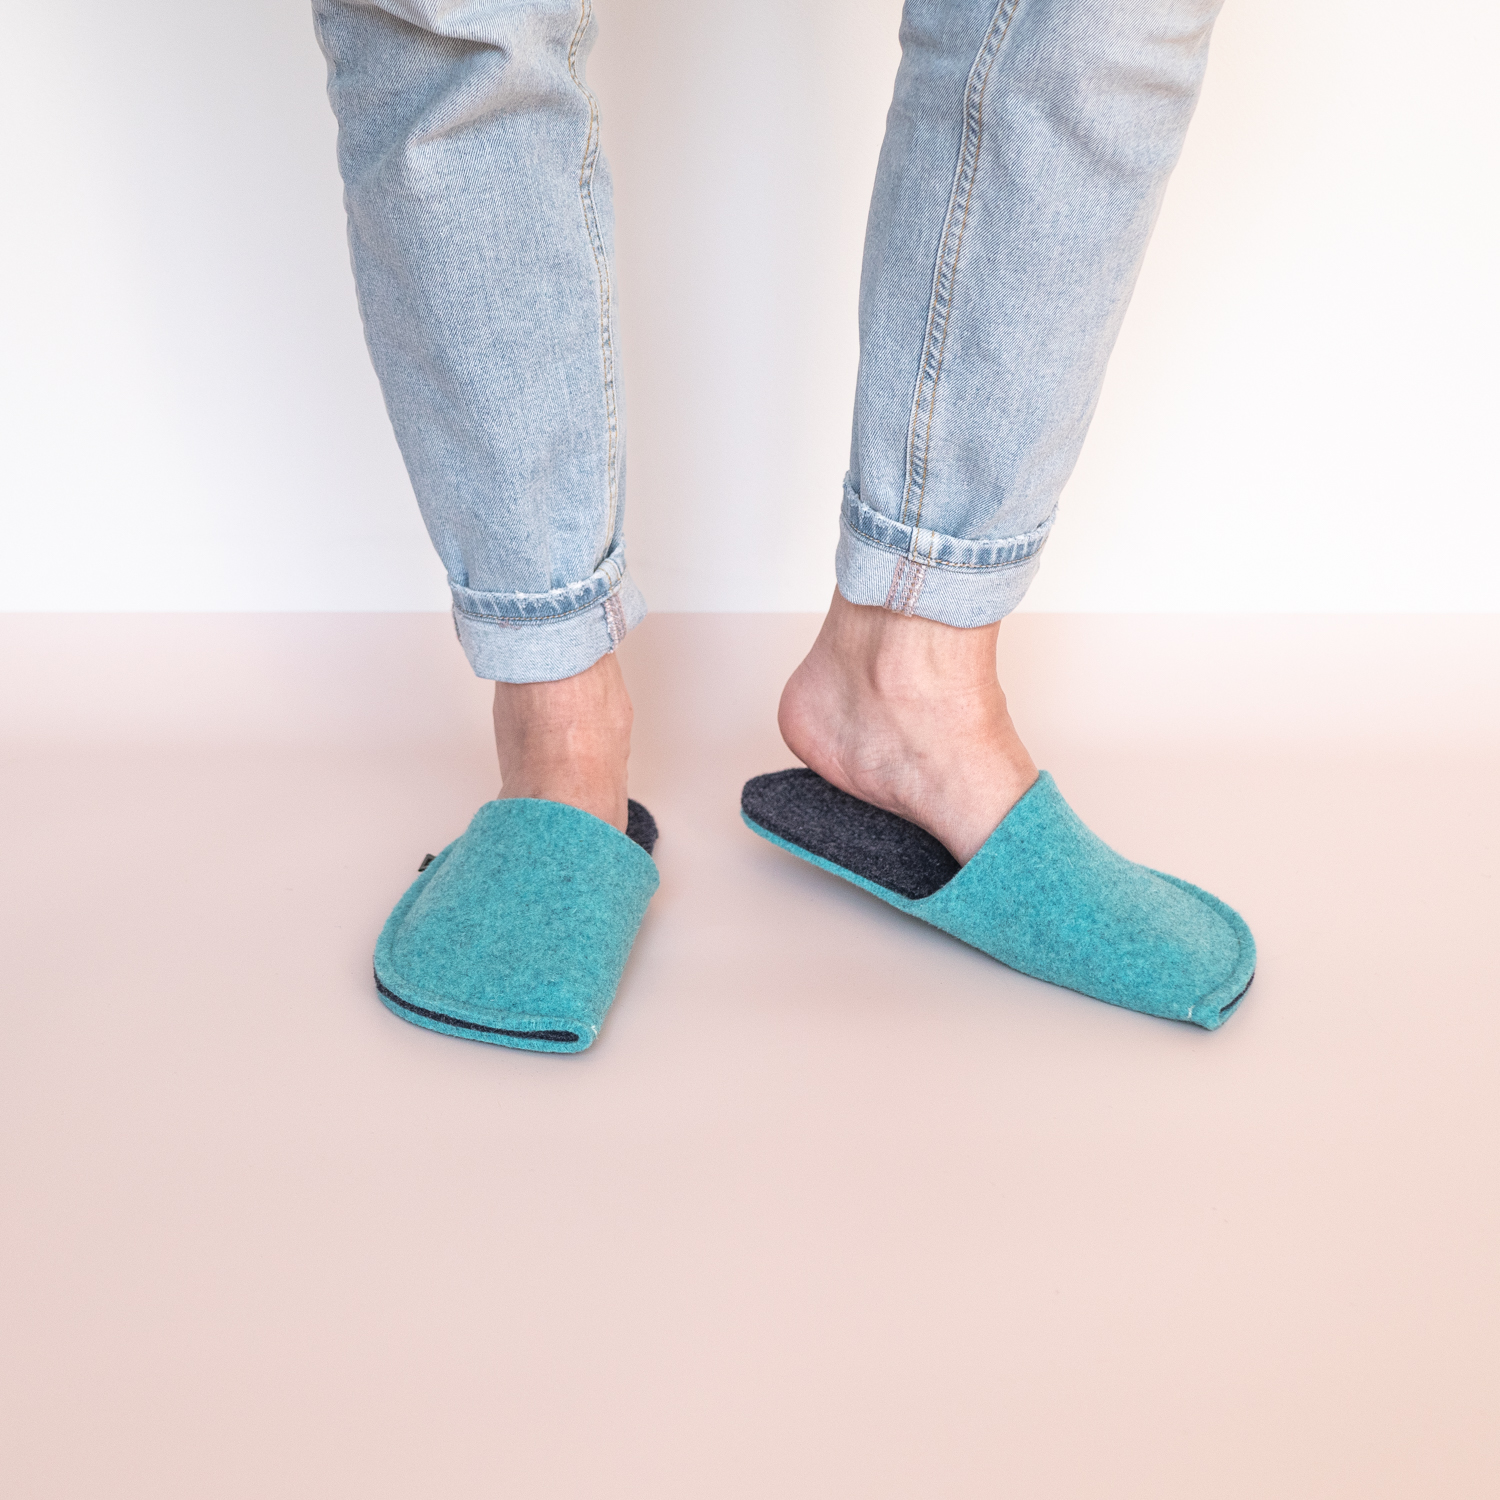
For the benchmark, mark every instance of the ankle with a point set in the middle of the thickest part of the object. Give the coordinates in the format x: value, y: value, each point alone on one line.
x: 888, y: 655
x: 567, y: 741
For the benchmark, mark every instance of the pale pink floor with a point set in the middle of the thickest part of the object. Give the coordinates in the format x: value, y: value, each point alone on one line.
x: 836, y: 1206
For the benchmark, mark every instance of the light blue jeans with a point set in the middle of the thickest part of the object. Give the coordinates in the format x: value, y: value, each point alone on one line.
x: 1025, y: 157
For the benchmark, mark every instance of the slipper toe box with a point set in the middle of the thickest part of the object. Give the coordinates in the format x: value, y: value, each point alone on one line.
x: 1048, y: 897
x: 518, y: 932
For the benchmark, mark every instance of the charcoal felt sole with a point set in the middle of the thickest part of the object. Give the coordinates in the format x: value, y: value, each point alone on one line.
x: 1044, y: 895
x: 518, y: 932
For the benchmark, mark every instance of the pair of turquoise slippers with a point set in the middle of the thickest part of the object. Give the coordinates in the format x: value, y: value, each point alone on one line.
x: 518, y: 932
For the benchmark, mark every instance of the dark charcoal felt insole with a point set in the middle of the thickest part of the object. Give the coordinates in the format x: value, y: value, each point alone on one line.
x: 802, y: 808
x: 640, y: 826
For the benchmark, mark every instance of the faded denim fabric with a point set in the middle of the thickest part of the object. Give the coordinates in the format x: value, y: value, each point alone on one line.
x: 481, y: 232
x: 1025, y: 157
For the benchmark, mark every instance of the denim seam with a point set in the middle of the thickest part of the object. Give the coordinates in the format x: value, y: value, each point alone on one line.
x: 906, y: 585
x: 614, y: 620
x: 934, y: 562
x: 946, y: 271
x: 601, y: 267
x: 894, y: 592
x: 915, y: 590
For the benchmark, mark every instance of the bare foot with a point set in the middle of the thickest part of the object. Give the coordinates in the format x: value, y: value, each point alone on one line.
x: 567, y: 741
x: 908, y: 714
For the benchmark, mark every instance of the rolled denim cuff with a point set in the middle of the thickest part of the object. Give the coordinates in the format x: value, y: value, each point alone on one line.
x: 545, y: 637
x: 952, y: 580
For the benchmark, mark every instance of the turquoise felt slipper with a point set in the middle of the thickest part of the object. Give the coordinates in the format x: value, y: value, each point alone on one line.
x: 518, y: 932
x: 1043, y: 895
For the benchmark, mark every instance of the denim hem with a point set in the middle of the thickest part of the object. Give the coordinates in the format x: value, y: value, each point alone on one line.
x: 934, y: 549
x: 916, y: 572
x: 510, y: 639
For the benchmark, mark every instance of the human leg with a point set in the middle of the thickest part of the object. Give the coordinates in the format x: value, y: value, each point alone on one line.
x: 1026, y: 154
x: 992, y: 293
x: 480, y: 230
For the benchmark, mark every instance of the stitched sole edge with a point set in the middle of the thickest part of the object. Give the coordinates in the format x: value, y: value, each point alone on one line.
x: 564, y: 1037
x: 1229, y: 1005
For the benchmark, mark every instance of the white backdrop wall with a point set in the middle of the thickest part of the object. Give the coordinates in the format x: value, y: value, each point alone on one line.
x: 1300, y: 414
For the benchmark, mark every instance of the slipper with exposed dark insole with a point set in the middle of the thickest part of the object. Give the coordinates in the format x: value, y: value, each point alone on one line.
x: 1043, y: 895
x: 518, y: 932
